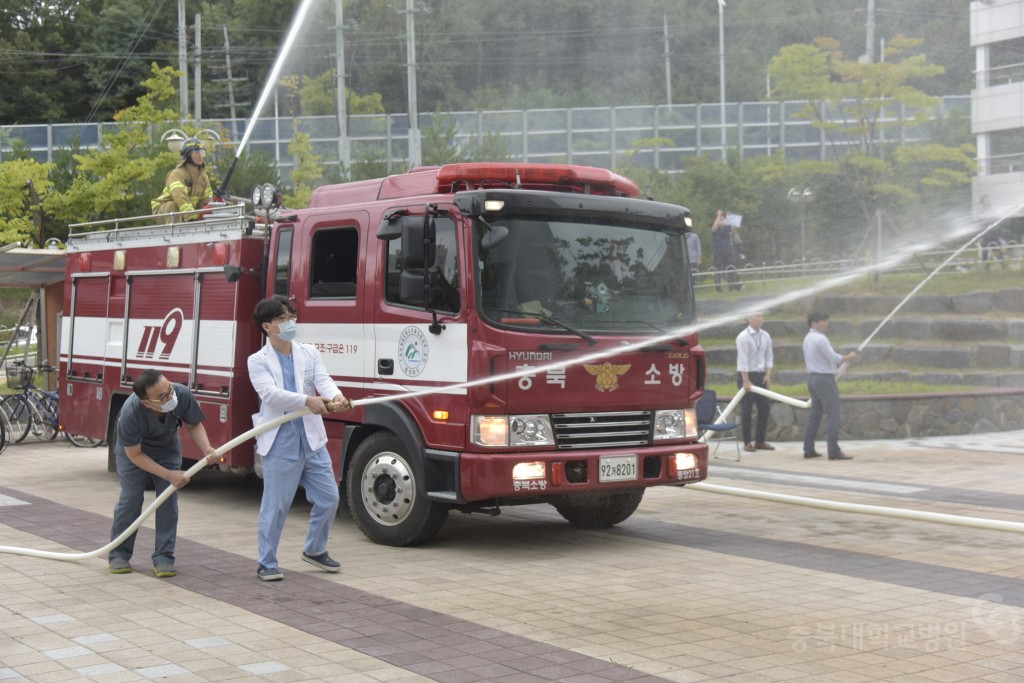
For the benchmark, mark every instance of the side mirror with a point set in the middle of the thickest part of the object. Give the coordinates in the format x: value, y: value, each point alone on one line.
x: 412, y: 285
x: 417, y: 242
x: 494, y: 236
x: 390, y: 228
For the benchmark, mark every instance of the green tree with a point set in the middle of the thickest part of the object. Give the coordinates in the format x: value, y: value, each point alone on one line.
x: 490, y: 146
x: 859, y: 106
x: 111, y: 44
x: 122, y: 177
x: 439, y: 142
x: 16, y: 205
x: 307, y: 170
x: 41, y: 61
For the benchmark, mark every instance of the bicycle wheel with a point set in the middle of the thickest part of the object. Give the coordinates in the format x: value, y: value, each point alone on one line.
x: 42, y: 427
x: 49, y: 424
x: 18, y: 411
x: 82, y: 441
x: 5, y: 428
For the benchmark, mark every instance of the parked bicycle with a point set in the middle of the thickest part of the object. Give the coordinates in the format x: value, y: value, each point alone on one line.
x: 33, y: 409
x: 5, y: 432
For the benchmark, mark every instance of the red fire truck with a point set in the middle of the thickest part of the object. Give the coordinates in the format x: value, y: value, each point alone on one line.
x: 424, y: 292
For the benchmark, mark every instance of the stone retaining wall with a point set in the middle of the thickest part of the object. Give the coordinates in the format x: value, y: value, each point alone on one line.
x: 908, y: 416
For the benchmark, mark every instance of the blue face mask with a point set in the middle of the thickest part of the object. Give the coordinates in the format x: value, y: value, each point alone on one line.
x: 286, y: 330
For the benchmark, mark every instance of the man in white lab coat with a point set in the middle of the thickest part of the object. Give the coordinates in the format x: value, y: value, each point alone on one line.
x: 289, y: 376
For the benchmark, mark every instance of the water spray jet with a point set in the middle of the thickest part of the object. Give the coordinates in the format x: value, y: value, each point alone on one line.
x: 275, y: 72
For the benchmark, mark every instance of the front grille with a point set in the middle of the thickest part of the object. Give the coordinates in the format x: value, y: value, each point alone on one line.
x: 602, y: 430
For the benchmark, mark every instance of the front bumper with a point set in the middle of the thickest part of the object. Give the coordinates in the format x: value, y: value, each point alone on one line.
x: 486, y: 476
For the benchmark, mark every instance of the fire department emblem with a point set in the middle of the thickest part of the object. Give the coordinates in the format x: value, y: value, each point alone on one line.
x: 163, y: 336
x: 413, y: 351
x: 607, y: 375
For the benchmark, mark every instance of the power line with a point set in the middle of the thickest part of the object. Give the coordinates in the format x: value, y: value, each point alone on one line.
x: 139, y: 34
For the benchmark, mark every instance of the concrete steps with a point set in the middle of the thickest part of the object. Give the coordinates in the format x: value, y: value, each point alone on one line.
x: 972, y: 340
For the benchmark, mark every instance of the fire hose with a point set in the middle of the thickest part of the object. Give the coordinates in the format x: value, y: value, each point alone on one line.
x: 859, y: 508
x: 164, y: 495
x: 918, y: 515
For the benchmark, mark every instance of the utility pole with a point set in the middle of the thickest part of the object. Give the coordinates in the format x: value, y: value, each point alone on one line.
x: 182, y: 62
x: 415, y: 154
x: 231, y: 86
x: 721, y: 70
x: 37, y: 213
x: 668, y: 63
x: 344, y: 153
x: 870, y: 51
x: 197, y: 98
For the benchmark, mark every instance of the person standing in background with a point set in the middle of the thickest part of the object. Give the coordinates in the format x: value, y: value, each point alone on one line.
x: 725, y: 252
x: 693, y: 248
x: 754, y: 362
x: 822, y: 363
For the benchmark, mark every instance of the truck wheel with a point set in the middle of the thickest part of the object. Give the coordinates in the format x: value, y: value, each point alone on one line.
x: 599, y: 510
x: 387, y: 503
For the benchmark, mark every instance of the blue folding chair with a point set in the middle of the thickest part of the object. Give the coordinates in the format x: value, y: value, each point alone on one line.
x: 709, y: 421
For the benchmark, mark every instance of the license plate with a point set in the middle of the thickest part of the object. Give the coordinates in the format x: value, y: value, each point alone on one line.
x: 617, y: 468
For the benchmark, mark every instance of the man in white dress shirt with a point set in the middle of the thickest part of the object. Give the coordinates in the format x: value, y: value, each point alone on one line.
x: 754, y: 361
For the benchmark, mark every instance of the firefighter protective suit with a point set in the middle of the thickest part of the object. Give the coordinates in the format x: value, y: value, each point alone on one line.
x: 187, y: 189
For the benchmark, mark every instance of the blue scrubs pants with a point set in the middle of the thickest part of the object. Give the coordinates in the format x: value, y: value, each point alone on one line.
x: 281, y: 478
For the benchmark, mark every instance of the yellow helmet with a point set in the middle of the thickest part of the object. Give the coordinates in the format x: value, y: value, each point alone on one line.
x: 192, y: 145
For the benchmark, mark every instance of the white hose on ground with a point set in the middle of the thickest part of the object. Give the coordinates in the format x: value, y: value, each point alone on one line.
x: 164, y: 495
x: 879, y: 510
x: 728, y: 410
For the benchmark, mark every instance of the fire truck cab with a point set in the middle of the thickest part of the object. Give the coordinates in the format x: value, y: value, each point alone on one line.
x: 512, y: 333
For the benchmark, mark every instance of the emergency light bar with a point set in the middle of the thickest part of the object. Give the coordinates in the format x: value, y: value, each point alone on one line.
x: 584, y: 178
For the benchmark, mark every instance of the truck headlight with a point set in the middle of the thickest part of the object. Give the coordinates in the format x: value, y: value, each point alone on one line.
x: 678, y: 423
x: 531, y: 430
x: 511, y: 430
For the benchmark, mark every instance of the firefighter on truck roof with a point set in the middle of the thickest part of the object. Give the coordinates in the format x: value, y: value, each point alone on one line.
x: 187, y: 187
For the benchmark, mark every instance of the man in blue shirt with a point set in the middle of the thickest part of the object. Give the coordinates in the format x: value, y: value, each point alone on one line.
x: 822, y: 363
x: 289, y: 376
x: 147, y: 444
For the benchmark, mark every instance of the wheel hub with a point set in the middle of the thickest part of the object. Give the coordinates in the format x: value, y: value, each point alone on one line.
x: 388, y: 489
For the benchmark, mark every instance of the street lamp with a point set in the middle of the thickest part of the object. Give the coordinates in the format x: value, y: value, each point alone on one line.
x: 721, y: 71
x: 175, y: 137
x: 802, y: 197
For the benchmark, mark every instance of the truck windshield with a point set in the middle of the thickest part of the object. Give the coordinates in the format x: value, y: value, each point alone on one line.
x: 594, y: 276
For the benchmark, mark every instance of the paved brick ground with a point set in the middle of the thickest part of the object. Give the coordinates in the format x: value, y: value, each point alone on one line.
x: 695, y: 586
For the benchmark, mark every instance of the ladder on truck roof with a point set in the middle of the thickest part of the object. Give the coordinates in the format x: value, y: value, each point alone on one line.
x: 222, y: 223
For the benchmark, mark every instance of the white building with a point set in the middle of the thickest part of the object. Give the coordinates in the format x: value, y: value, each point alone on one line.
x: 997, y: 101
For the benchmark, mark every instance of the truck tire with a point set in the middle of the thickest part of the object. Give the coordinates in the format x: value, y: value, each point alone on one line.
x: 599, y: 510
x: 387, y: 503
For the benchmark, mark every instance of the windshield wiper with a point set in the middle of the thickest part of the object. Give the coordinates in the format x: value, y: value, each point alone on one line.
x: 551, y: 321
x: 680, y: 341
